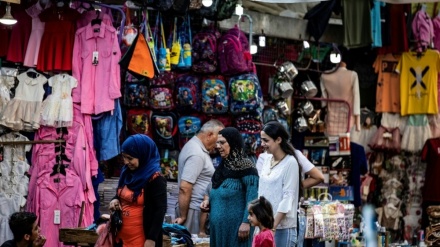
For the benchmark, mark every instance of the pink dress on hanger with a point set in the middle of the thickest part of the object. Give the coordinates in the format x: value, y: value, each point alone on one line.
x: 33, y: 46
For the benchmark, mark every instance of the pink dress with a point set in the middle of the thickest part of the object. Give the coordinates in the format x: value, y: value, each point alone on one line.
x: 33, y: 47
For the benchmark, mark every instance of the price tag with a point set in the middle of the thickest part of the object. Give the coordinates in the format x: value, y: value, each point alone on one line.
x: 95, y: 58
x: 56, y: 217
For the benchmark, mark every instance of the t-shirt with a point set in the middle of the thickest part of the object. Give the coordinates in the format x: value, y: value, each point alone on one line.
x: 305, y: 163
x: 9, y: 243
x: 431, y: 155
x: 376, y: 25
x: 388, y: 83
x: 418, y: 82
x: 195, y: 167
x: 264, y: 239
x: 356, y: 18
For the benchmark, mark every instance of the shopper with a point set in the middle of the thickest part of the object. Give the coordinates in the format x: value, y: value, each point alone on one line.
x: 261, y: 216
x: 141, y: 194
x: 234, y: 185
x: 24, y: 227
x: 280, y: 182
x: 195, y: 172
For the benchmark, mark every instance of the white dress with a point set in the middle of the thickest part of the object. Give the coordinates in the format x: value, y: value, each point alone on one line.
x: 58, y: 107
x: 23, y: 111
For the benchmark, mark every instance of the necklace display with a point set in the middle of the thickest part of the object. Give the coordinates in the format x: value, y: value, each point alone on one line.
x: 274, y: 163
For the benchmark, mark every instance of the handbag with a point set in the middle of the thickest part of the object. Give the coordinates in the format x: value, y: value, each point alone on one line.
x: 115, y: 221
x: 105, y: 236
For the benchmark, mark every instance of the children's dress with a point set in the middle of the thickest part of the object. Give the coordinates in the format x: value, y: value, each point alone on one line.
x: 23, y: 111
x: 58, y: 107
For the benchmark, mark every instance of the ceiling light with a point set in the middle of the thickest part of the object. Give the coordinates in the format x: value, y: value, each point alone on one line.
x: 8, y: 19
x: 335, y: 57
x: 306, y: 44
x: 254, y: 48
x: 262, y: 39
x: 238, y: 9
x: 207, y: 3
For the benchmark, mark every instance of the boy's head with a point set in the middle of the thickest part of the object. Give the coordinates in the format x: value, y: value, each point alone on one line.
x: 24, y: 226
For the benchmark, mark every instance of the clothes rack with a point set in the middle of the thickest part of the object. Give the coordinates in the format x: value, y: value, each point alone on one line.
x: 31, y: 142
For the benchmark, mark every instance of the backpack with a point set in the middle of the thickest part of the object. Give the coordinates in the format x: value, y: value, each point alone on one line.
x: 214, y: 95
x: 233, y: 53
x: 245, y: 94
x: 204, y: 51
x: 138, y: 122
x: 162, y: 91
x: 164, y: 128
x: 135, y: 94
x: 168, y: 165
x: 188, y: 127
x: 250, y: 126
x: 187, y: 93
x: 270, y: 114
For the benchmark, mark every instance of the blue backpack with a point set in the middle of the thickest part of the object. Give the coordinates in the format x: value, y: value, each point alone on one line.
x: 214, y: 95
x: 188, y: 93
x: 188, y: 127
x: 245, y: 94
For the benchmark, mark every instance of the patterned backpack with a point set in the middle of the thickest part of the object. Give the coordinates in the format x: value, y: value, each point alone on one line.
x: 204, y: 51
x: 250, y: 126
x: 245, y: 94
x: 188, y: 127
x: 164, y: 128
x: 233, y: 53
x: 188, y: 93
x: 135, y: 92
x: 162, y: 91
x: 214, y: 95
x: 138, y: 122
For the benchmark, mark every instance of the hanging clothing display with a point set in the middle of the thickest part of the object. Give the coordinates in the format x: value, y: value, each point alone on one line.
x: 19, y: 36
x: 376, y: 24
x: 388, y: 83
x: 96, y: 54
x: 416, y: 133
x: 356, y: 18
x: 57, y: 110
x: 33, y: 46
x: 23, y: 111
x: 397, y: 23
x: 436, y: 27
x: 431, y: 155
x: 62, y: 193
x: 422, y: 29
x: 418, y: 82
x: 342, y: 84
x: 56, y: 47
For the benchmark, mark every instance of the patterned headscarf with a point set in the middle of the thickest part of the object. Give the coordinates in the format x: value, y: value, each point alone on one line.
x: 143, y: 148
x: 236, y: 165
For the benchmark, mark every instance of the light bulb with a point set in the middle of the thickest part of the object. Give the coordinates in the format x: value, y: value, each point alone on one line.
x: 335, y: 57
x: 238, y: 9
x: 207, y: 3
x: 262, y: 41
x: 7, y: 19
x: 306, y: 45
x: 254, y: 48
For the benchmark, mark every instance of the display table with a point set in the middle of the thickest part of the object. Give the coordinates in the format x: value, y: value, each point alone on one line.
x: 78, y: 236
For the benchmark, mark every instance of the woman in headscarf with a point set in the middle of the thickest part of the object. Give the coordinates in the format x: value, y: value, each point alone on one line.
x: 141, y: 194
x: 234, y: 185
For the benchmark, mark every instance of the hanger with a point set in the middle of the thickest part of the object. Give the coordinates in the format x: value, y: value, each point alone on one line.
x: 97, y: 20
x: 58, y: 169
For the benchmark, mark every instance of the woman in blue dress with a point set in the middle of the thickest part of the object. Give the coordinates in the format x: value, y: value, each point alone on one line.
x: 234, y: 185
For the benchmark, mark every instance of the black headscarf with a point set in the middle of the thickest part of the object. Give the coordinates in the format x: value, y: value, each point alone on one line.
x: 236, y: 165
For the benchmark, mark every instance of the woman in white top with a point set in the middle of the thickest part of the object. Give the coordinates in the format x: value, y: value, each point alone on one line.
x: 280, y: 181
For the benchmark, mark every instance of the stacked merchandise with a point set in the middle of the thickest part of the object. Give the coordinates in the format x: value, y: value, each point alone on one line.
x: 172, y: 106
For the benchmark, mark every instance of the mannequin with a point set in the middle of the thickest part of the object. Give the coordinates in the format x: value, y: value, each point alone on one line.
x: 343, y: 84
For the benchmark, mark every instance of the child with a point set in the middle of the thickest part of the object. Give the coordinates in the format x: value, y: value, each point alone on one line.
x: 261, y: 215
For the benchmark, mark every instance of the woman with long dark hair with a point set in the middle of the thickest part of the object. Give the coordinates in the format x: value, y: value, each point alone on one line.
x: 280, y: 182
